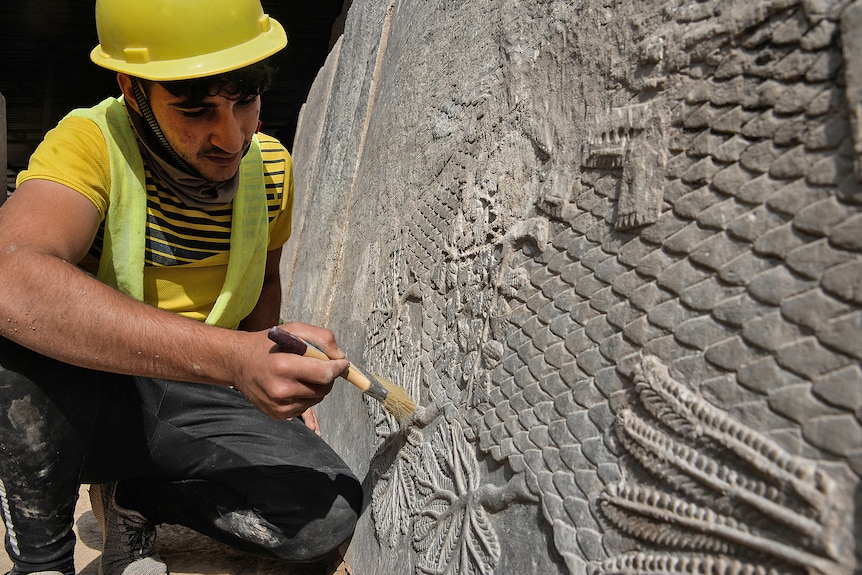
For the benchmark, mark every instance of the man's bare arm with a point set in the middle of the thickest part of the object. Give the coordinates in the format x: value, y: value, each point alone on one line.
x: 266, y: 313
x: 50, y: 305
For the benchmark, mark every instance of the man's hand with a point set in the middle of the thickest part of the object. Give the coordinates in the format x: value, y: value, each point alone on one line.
x: 285, y: 385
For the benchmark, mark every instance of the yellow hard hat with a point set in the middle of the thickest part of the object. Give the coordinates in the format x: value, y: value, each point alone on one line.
x: 165, y: 40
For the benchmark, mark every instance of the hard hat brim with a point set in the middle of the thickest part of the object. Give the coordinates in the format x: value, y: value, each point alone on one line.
x: 199, y: 66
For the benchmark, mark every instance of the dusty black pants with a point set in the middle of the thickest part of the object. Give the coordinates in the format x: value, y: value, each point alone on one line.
x: 189, y: 454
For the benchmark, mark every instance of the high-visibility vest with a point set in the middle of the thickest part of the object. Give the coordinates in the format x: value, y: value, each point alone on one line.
x: 122, y: 261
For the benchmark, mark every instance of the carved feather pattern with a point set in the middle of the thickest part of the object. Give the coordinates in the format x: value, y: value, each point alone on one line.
x: 452, y: 533
x: 666, y: 520
x: 680, y: 466
x: 641, y: 440
x: 664, y: 393
x: 661, y: 563
x: 779, y: 506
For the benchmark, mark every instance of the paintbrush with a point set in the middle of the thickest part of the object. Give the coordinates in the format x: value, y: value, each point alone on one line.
x: 394, y: 399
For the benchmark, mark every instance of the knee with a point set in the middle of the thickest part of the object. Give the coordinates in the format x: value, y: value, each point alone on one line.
x: 323, y: 532
x: 300, y: 529
x: 313, y: 541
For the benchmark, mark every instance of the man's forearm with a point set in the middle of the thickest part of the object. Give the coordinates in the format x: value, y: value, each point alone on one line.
x: 266, y: 312
x: 268, y: 309
x: 58, y: 310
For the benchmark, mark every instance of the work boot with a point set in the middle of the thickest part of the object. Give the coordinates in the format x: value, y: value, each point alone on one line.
x: 128, y: 539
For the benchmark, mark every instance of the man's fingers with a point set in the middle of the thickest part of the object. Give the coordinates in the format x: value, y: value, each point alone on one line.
x: 309, y: 417
x: 304, y: 382
x: 319, y: 337
x: 312, y: 371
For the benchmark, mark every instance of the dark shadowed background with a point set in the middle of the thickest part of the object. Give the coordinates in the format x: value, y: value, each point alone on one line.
x: 45, y: 69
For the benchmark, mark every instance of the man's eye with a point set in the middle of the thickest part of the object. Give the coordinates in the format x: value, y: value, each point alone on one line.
x: 248, y: 101
x: 193, y: 113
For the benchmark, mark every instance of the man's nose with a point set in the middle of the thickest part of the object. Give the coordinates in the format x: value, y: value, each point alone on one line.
x: 228, y: 134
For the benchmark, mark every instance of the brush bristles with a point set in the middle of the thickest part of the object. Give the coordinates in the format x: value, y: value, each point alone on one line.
x: 397, y: 402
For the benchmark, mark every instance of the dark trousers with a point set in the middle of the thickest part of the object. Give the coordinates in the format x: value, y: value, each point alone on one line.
x: 189, y: 454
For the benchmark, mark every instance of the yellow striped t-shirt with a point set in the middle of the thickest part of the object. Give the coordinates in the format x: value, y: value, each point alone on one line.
x: 186, y: 248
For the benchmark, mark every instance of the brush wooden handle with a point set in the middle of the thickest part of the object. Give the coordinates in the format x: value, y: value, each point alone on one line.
x: 292, y: 344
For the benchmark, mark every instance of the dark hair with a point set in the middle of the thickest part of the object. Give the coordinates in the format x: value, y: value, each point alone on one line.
x: 240, y: 84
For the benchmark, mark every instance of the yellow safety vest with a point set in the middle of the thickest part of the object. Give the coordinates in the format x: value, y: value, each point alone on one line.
x: 122, y: 262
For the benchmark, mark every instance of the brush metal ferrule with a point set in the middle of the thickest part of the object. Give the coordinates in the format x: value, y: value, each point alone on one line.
x: 376, y: 389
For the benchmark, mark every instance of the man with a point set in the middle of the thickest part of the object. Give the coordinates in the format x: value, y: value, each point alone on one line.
x: 139, y: 257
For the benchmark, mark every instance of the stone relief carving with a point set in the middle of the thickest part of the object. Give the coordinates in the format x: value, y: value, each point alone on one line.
x: 453, y: 533
x: 432, y: 490
x: 722, y: 492
x: 652, y: 334
x: 851, y: 23
x: 533, y: 325
x: 631, y: 139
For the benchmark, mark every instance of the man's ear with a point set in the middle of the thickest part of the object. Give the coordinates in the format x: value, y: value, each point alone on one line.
x: 125, y: 82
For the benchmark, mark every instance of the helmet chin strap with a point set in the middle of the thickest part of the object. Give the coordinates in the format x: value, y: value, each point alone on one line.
x: 150, y: 118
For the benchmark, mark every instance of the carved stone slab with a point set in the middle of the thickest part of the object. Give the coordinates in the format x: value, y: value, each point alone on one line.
x: 614, y: 250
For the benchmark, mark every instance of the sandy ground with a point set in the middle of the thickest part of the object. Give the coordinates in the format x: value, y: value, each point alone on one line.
x: 185, y: 552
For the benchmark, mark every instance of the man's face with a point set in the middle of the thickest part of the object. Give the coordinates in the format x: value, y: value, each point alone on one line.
x: 210, y: 134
